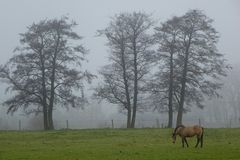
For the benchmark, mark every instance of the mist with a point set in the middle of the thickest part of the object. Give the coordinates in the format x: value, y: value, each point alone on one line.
x: 91, y: 16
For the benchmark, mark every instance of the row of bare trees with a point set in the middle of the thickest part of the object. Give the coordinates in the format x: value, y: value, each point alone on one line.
x: 169, y: 67
x: 183, y: 71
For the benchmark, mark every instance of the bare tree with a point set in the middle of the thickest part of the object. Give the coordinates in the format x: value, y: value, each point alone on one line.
x: 190, y: 65
x: 200, y: 62
x: 131, y: 57
x: 46, y: 70
x: 164, y: 81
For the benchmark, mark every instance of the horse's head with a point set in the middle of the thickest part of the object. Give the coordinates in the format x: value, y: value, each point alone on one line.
x: 176, y: 132
x: 174, y: 137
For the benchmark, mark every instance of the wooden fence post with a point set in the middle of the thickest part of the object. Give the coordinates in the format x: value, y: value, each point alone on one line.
x: 158, y: 124
x: 67, y: 124
x: 19, y: 125
x: 112, y: 124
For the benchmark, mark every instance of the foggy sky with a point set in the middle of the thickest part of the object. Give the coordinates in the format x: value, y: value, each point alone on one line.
x: 92, y: 15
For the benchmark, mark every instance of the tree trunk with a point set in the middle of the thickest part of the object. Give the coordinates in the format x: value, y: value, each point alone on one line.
x: 52, y: 89
x: 129, y: 116
x: 128, y: 105
x: 183, y: 84
x: 170, y: 94
x: 52, y: 95
x: 44, y: 93
x: 182, y: 94
x: 45, y: 118
x: 182, y: 98
x: 50, y: 119
x: 135, y: 90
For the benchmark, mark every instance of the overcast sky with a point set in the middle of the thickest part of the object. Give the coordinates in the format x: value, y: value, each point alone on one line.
x: 91, y: 15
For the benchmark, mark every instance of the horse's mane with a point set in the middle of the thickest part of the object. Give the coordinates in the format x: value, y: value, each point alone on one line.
x: 178, y: 127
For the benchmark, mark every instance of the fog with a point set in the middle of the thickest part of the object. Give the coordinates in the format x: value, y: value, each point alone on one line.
x: 92, y: 15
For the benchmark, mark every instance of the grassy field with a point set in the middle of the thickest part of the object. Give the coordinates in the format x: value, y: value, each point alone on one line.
x: 116, y: 144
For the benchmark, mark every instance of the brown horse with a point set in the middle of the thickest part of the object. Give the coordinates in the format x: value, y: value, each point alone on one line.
x: 184, y: 132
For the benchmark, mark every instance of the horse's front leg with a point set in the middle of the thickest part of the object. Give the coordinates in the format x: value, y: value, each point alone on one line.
x: 186, y: 141
x: 183, y: 142
x: 198, y: 139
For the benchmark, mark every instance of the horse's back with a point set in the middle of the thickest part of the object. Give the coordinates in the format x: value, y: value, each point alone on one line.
x: 193, y: 130
x: 198, y: 129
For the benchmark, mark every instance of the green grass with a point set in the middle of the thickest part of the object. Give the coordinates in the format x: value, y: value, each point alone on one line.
x: 116, y: 144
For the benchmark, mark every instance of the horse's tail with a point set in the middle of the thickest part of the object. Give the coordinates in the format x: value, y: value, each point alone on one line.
x: 202, y: 136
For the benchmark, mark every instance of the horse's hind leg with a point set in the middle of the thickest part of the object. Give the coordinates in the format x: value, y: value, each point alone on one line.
x: 198, y: 139
x: 202, y: 137
x: 186, y: 141
x: 201, y: 141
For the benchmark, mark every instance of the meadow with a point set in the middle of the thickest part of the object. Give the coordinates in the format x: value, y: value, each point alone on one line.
x: 116, y: 144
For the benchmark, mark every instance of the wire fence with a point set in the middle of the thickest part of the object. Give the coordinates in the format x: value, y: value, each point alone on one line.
x: 110, y: 123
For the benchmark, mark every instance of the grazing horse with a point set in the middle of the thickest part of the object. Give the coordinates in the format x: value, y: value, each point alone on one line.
x: 184, y: 132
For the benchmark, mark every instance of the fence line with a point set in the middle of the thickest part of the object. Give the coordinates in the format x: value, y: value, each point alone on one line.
x: 112, y: 123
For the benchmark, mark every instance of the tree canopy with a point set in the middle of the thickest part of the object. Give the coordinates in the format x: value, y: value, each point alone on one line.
x: 46, y: 69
